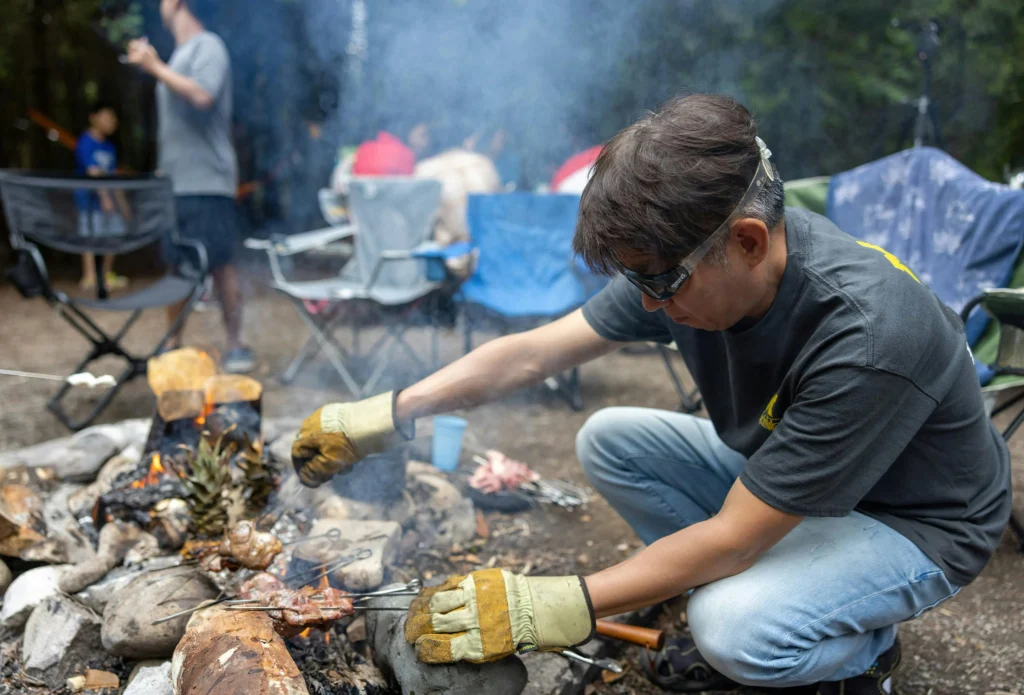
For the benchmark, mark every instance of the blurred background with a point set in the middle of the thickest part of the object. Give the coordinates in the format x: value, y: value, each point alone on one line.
x: 835, y: 84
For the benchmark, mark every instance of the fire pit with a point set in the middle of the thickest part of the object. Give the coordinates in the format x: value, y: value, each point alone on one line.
x: 199, y: 510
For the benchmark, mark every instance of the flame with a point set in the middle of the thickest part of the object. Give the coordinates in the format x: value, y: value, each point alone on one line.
x: 305, y: 633
x: 327, y: 638
x: 207, y: 409
x: 156, y: 471
x: 324, y: 582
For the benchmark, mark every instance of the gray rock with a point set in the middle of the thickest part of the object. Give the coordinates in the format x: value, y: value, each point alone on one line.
x: 443, y: 495
x: 74, y: 457
x: 5, y: 577
x: 61, y: 639
x: 97, y: 596
x: 459, y: 525
x: 550, y: 674
x: 116, y: 539
x: 62, y: 530
x: 127, y: 622
x: 88, y: 451
x: 362, y: 575
x: 280, y: 449
x: 397, y: 658
x: 81, y: 503
x: 278, y: 427
x: 150, y: 678
x: 28, y: 591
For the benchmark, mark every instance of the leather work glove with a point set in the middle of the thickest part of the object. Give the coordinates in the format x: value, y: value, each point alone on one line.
x: 340, y: 435
x: 490, y: 614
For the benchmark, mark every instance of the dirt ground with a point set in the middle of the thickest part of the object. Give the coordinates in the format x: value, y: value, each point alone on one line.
x: 972, y: 645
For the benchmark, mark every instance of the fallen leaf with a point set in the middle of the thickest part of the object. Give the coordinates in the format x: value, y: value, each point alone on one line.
x: 582, y: 559
x: 482, y: 530
x: 611, y: 676
x: 585, y: 518
x: 492, y: 562
x: 428, y: 575
x: 473, y: 559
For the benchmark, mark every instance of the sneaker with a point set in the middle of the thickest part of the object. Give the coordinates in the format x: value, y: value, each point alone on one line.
x: 113, y: 281
x: 239, y: 361
x: 877, y: 680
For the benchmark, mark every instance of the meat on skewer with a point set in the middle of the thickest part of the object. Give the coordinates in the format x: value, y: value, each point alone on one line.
x: 248, y: 547
x: 297, y: 608
x: 241, y: 546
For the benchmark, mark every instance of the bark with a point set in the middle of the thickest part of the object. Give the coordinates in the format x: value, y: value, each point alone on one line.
x: 228, y: 652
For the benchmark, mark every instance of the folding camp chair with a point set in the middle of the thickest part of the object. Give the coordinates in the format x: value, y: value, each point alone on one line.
x: 57, y: 212
x: 527, y: 274
x: 963, y: 236
x: 387, y: 274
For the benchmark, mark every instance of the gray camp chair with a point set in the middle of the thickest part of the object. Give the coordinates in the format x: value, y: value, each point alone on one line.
x: 44, y: 210
x: 386, y: 280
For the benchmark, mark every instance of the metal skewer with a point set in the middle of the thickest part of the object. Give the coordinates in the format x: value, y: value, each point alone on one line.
x: 605, y: 664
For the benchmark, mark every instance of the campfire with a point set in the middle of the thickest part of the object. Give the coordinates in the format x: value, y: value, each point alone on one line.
x: 194, y: 539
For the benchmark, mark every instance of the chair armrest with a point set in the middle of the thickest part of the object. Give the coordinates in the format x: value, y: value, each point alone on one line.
x: 301, y: 243
x: 999, y: 302
x: 331, y: 202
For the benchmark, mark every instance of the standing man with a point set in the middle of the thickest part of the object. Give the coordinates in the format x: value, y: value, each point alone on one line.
x: 194, y: 111
x: 847, y: 479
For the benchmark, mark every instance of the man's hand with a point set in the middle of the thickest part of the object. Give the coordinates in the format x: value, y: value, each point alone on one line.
x: 340, y: 435
x: 141, y: 53
x: 490, y: 614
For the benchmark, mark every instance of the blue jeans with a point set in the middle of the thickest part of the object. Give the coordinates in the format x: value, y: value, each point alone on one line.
x: 821, y: 605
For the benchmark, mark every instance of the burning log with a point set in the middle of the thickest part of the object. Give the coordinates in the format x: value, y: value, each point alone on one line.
x: 234, y: 653
x: 136, y: 493
x: 21, y: 520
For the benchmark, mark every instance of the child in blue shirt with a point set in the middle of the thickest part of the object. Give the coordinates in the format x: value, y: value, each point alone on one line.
x: 99, y: 212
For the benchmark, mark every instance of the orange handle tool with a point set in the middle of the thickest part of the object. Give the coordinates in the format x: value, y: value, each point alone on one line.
x: 644, y: 636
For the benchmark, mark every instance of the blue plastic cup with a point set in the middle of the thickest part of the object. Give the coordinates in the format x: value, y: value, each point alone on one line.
x: 448, y: 431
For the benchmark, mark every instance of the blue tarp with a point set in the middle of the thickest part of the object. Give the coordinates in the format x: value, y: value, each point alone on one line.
x: 957, y: 231
x: 527, y: 267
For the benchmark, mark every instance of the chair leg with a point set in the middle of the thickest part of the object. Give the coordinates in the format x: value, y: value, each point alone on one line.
x: 688, y: 402
x: 336, y: 355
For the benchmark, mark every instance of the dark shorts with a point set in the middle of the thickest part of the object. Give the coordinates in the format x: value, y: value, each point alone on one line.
x: 213, y: 221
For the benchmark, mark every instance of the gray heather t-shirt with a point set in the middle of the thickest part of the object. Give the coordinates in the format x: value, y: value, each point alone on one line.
x: 855, y: 391
x: 195, y: 147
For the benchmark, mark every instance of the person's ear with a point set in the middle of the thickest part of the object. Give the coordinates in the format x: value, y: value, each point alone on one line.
x: 752, y: 239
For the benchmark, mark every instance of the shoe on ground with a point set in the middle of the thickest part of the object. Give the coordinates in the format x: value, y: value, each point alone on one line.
x: 239, y: 361
x: 877, y: 680
x: 113, y: 281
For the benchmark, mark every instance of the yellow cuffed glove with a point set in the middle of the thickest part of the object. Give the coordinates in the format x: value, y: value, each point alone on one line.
x: 340, y: 435
x: 490, y: 614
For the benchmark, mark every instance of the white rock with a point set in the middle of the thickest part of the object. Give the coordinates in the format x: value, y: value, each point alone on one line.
x: 61, y: 638
x: 28, y: 591
x: 459, y: 525
x: 362, y: 575
x: 5, y: 577
x: 443, y: 495
x: 150, y: 678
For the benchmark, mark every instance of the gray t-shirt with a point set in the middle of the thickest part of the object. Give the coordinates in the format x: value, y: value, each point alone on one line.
x: 855, y: 391
x: 195, y: 147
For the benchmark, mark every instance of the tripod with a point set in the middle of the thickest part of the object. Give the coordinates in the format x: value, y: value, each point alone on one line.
x: 923, y: 121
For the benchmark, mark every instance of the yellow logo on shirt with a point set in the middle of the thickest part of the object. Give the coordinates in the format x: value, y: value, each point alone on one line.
x: 768, y: 419
x: 896, y: 263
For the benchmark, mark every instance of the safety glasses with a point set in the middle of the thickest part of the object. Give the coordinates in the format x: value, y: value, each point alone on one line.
x: 663, y: 286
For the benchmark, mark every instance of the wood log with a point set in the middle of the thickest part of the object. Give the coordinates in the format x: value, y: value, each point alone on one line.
x: 232, y: 388
x: 180, y: 404
x: 228, y: 652
x: 186, y: 369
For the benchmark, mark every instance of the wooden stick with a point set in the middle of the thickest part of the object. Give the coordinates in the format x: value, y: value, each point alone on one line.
x: 644, y: 636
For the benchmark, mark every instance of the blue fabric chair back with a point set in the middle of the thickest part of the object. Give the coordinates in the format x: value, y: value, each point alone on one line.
x: 527, y: 267
x: 957, y: 231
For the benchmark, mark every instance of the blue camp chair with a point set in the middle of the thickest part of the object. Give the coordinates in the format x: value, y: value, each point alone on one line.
x: 527, y: 273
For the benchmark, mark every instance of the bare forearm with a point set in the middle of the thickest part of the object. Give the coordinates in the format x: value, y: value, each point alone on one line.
x: 184, y: 87
x: 488, y: 373
x: 501, y: 366
x: 694, y: 556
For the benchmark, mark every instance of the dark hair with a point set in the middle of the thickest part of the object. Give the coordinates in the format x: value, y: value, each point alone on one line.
x: 98, y: 106
x: 664, y: 184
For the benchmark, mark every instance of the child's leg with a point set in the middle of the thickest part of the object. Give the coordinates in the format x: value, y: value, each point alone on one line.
x: 108, y: 264
x: 88, y: 270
